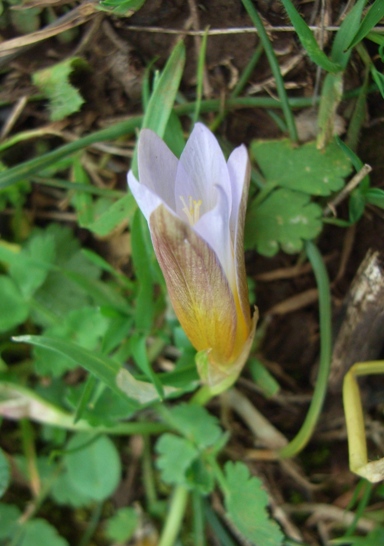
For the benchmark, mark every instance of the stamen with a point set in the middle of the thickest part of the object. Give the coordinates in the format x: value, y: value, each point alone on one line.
x: 192, y: 210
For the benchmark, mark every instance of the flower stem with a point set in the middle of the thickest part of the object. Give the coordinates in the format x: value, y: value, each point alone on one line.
x: 305, y: 433
x: 175, y: 517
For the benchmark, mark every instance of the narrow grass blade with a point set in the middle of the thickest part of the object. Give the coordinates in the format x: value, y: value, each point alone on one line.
x: 374, y: 15
x: 200, y: 75
x: 308, y: 40
x: 105, y: 369
x: 274, y: 68
x: 163, y: 97
x: 347, y: 30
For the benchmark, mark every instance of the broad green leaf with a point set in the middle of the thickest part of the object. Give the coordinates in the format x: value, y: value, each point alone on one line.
x: 374, y: 15
x: 285, y: 219
x: 121, y: 527
x: 93, y: 465
x: 375, y: 196
x: 5, y: 475
x: 308, y: 40
x: 163, y: 96
x: 13, y: 309
x: 175, y: 457
x: 64, y: 99
x: 195, y: 423
x: 302, y: 168
x: 9, y: 515
x: 246, y: 503
x: 120, y: 212
x: 105, y: 369
x: 64, y: 493
x: 39, y: 531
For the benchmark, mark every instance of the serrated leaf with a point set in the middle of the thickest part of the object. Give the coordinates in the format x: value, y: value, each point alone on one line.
x: 122, y: 525
x: 64, y: 98
x: 285, y: 219
x: 195, y: 423
x: 14, y: 309
x: 5, y: 475
x: 175, y: 456
x: 302, y: 168
x: 246, y: 504
x: 93, y: 465
x: 39, y: 531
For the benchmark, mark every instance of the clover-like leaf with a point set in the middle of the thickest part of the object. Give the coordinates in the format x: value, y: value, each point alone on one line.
x: 246, y: 503
x: 303, y: 168
x: 196, y: 424
x: 286, y: 218
x: 175, y: 457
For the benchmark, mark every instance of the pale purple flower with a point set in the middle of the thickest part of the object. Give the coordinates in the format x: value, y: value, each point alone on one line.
x: 195, y: 208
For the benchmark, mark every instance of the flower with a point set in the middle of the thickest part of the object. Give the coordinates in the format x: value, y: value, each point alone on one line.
x: 195, y: 208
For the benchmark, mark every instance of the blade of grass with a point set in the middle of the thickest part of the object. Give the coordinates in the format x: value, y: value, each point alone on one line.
x: 345, y: 33
x: 374, y: 15
x: 256, y: 20
x: 308, y: 40
x: 200, y: 75
x: 163, y: 97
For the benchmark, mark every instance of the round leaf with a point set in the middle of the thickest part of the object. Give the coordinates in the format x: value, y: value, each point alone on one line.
x: 93, y: 465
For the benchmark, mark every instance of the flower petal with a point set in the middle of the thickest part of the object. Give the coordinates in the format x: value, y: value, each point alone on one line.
x: 197, y: 285
x: 213, y: 227
x: 239, y: 169
x: 202, y: 167
x: 145, y: 198
x: 157, y: 166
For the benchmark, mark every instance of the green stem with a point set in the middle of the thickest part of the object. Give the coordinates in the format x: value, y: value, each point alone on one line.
x: 198, y: 519
x: 175, y: 517
x: 305, y: 433
x: 275, y: 68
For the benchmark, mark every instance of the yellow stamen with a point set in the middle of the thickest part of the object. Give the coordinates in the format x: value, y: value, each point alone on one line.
x: 192, y: 210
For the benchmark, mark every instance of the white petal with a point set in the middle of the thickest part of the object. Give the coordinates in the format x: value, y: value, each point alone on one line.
x: 213, y: 227
x: 145, y: 198
x: 157, y: 166
x: 238, y: 168
x: 202, y: 167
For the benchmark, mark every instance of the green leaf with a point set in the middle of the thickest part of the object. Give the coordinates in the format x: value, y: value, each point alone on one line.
x: 26, y: 20
x: 139, y: 353
x: 331, y: 95
x: 121, y: 7
x: 164, y: 94
x: 140, y: 390
x: 85, y: 327
x: 64, y: 99
x: 379, y: 79
x: 303, y: 168
x: 93, y: 465
x: 9, y: 515
x: 121, y: 527
x: 308, y: 40
x: 39, y: 531
x: 32, y: 265
x: 5, y: 475
x: 120, y: 212
x: 345, y: 33
x: 246, y: 502
x: 374, y: 15
x: 374, y: 538
x: 175, y: 457
x: 14, y: 309
x: 286, y: 218
x: 64, y: 493
x: 263, y: 378
x: 375, y: 196
x: 103, y: 368
x: 197, y: 424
